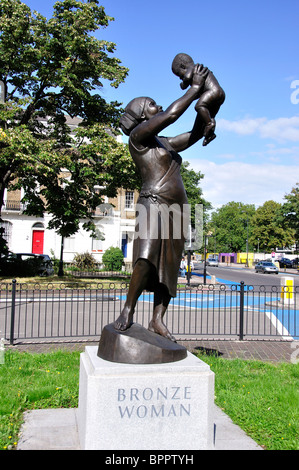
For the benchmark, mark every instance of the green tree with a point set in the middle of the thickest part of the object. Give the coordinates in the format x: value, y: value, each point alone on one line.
x: 289, y: 213
x: 51, y: 69
x: 229, y: 225
x: 267, y: 232
x: 191, y: 180
x: 72, y: 196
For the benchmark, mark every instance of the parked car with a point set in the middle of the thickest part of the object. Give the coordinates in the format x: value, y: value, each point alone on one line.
x: 197, y: 265
x: 295, y: 263
x: 30, y: 264
x: 212, y: 262
x: 285, y: 263
x: 266, y: 267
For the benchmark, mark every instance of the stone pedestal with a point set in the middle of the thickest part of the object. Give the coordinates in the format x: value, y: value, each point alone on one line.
x: 145, y: 406
x: 137, y: 345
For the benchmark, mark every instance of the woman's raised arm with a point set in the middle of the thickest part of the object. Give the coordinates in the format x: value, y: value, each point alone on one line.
x: 183, y: 141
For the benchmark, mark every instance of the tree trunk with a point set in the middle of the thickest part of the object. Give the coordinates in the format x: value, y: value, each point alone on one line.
x: 60, y: 270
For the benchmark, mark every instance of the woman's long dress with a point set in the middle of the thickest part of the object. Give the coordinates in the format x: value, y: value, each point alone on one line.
x: 162, y: 212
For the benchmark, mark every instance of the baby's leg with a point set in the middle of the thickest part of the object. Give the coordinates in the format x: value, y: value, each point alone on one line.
x: 209, y: 133
x: 202, y: 108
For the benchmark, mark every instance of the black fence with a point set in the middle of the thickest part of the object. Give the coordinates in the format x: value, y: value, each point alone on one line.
x: 69, y: 312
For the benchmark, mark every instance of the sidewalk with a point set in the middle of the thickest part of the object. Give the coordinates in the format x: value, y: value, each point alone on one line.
x: 262, y: 350
x: 56, y: 429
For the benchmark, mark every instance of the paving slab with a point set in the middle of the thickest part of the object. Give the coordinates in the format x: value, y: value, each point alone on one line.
x: 56, y: 429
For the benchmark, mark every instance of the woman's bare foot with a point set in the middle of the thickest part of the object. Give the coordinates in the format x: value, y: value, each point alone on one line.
x: 124, y: 321
x: 157, y: 326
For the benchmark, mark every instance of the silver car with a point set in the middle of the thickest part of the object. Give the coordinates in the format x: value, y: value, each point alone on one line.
x: 212, y: 262
x: 266, y: 267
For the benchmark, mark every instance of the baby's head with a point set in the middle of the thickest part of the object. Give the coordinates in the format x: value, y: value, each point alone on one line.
x: 180, y: 64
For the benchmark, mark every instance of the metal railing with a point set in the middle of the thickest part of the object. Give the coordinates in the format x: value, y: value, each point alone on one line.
x: 9, y: 205
x: 67, y: 311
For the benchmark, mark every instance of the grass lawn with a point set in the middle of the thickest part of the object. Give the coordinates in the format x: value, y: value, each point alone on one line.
x: 262, y: 398
x: 33, y: 381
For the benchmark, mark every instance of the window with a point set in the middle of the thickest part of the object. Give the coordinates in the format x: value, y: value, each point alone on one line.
x: 97, y: 245
x: 38, y: 225
x: 97, y: 240
x: 69, y: 244
x: 129, y: 200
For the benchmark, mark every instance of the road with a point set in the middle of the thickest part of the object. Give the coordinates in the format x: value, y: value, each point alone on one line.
x: 238, y: 274
x: 212, y: 311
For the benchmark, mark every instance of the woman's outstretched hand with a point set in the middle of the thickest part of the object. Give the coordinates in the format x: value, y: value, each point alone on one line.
x: 199, y: 75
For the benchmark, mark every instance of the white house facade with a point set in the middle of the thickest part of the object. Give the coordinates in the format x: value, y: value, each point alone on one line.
x: 115, y: 223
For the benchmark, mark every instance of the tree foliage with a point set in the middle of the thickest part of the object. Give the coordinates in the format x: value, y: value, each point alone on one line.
x: 266, y: 227
x: 57, y: 64
x: 95, y: 167
x: 229, y: 224
x: 52, y: 69
x: 191, y: 180
x: 289, y: 213
x: 267, y: 232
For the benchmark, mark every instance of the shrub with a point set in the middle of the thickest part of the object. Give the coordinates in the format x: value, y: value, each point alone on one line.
x: 55, y: 261
x: 113, y: 259
x: 84, y: 261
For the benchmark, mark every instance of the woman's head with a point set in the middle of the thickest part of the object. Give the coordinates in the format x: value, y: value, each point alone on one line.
x: 134, y: 114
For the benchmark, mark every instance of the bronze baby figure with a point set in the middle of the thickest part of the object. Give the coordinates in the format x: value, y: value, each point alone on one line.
x: 212, y: 95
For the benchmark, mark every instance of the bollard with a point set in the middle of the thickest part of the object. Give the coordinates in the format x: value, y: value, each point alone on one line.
x: 287, y: 289
x: 241, y: 325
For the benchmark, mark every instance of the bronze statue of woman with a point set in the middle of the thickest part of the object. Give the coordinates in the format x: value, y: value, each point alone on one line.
x: 156, y: 259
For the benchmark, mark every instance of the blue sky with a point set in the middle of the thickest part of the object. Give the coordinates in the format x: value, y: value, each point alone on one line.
x: 252, y: 48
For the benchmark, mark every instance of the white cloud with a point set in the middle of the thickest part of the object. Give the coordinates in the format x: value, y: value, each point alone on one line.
x: 242, y: 127
x: 245, y: 182
x: 278, y: 154
x: 280, y: 129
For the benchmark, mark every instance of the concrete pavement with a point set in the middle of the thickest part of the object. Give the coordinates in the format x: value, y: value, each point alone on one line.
x: 56, y: 429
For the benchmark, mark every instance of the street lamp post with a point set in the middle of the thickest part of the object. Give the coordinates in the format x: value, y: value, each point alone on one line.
x: 205, y: 257
x: 247, y: 264
x: 205, y: 261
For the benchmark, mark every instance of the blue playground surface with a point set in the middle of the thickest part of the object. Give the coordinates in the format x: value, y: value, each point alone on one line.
x: 285, y: 317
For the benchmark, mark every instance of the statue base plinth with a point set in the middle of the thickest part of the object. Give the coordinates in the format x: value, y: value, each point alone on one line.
x: 145, y: 406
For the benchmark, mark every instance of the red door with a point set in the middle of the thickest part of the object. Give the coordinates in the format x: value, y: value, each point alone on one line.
x: 38, y: 242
